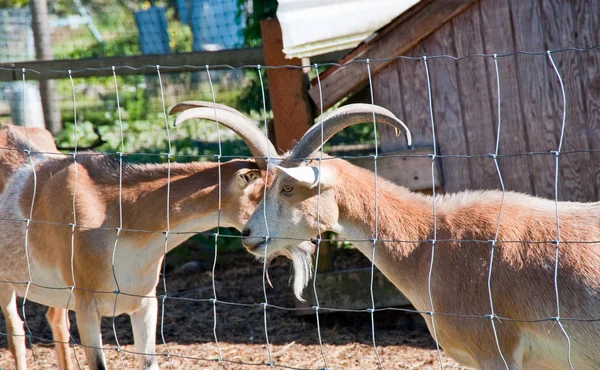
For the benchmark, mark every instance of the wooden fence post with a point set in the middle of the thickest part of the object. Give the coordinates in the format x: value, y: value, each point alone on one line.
x: 292, y: 110
x: 43, y: 51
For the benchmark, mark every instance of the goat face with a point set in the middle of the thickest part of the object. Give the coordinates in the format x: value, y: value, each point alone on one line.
x: 288, y: 214
x: 301, y: 193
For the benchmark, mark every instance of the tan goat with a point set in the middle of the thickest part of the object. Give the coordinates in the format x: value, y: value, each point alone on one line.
x: 15, y: 141
x: 523, y: 277
x: 51, y: 267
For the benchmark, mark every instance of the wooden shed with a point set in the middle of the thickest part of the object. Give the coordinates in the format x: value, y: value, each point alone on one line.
x: 464, y: 90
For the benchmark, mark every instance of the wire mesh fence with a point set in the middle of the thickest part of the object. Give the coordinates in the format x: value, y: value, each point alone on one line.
x: 158, y: 224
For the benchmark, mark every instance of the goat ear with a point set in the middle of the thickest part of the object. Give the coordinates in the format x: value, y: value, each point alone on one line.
x: 308, y: 176
x: 247, y: 177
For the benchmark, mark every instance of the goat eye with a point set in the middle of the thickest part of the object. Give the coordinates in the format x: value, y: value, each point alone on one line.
x: 287, y: 189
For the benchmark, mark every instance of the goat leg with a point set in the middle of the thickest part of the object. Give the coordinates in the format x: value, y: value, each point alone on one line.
x: 143, y: 323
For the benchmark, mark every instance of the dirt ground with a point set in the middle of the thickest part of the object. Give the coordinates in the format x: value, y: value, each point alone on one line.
x: 402, y: 339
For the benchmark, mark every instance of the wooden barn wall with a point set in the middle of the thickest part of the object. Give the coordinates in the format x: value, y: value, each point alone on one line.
x: 465, y: 97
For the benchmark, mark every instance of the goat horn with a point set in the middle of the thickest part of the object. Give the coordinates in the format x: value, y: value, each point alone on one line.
x: 340, y: 119
x: 260, y: 146
x: 180, y: 107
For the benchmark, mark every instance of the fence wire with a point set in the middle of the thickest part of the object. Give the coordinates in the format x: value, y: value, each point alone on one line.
x: 556, y: 176
x: 375, y: 241
x: 433, y: 156
x: 493, y: 242
x: 319, y: 239
x: 27, y: 223
x: 214, y: 266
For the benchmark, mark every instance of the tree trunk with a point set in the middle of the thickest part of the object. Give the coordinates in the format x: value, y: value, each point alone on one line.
x: 43, y: 51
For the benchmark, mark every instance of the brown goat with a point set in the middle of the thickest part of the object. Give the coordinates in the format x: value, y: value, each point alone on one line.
x: 64, y: 263
x: 529, y: 328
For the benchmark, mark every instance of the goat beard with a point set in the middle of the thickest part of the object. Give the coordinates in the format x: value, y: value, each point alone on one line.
x: 302, y: 263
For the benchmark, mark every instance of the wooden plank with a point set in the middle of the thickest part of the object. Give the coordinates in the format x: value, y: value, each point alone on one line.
x: 450, y: 133
x: 413, y: 85
x: 350, y: 78
x: 497, y: 37
x: 325, y: 259
x: 475, y: 101
x: 386, y: 93
x: 378, y: 35
x: 576, y: 176
x: 292, y: 112
x: 350, y: 290
x: 142, y: 64
x: 587, y: 28
x: 408, y: 168
x: 532, y: 80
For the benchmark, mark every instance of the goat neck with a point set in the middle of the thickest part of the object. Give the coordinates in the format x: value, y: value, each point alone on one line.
x: 401, y: 216
x: 141, y: 192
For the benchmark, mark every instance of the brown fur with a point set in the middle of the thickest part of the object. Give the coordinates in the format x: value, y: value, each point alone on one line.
x: 522, y: 280
x: 13, y: 143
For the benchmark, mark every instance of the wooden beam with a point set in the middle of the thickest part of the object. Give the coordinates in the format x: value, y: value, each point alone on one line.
x: 292, y: 112
x: 408, y: 168
x: 394, y: 40
x: 141, y: 64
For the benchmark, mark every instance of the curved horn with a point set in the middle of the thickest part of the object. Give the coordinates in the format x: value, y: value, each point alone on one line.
x: 340, y: 119
x: 180, y: 107
x: 260, y: 146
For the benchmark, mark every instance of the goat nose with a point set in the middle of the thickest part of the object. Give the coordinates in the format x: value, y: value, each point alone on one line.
x: 246, y: 232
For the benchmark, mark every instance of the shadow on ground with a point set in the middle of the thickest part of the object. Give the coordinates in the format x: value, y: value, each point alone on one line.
x: 238, y: 279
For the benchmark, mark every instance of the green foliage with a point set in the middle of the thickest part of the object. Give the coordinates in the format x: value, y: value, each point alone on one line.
x: 143, y: 120
x: 261, y: 9
x: 355, y: 134
x: 126, y: 45
x: 180, y: 35
x: 60, y: 8
x: 13, y: 3
x: 116, y: 23
x: 251, y: 98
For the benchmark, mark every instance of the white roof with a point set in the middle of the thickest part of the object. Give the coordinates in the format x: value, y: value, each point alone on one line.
x: 313, y: 27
